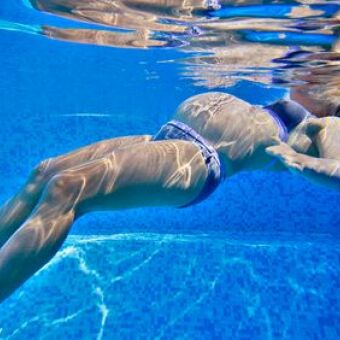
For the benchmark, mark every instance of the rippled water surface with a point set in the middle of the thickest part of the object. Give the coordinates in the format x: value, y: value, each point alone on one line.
x: 260, y: 258
x: 282, y: 42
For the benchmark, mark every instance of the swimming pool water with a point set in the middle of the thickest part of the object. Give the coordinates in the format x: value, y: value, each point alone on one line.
x: 258, y: 260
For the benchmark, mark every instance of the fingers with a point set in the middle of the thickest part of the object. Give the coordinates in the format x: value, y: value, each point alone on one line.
x: 273, y: 142
x: 273, y: 150
x: 294, y: 165
x: 287, y: 155
x: 280, y: 150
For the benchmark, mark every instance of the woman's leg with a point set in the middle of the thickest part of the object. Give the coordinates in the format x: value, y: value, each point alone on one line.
x: 156, y: 173
x: 17, y: 209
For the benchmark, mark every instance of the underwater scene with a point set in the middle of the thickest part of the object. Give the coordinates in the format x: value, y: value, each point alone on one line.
x: 203, y: 198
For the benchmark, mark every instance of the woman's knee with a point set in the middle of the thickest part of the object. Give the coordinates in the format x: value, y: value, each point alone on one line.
x: 38, y: 177
x: 64, y: 188
x: 40, y: 172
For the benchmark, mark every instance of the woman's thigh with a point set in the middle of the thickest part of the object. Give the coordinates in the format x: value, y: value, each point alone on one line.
x: 162, y: 173
x: 88, y: 153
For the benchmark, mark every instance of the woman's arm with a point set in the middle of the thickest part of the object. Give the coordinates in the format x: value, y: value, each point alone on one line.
x: 319, y: 170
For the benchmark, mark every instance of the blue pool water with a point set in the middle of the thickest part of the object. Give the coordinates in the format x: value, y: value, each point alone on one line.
x: 260, y: 259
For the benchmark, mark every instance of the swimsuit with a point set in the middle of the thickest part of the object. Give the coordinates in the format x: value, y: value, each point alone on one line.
x: 283, y: 131
x: 287, y: 115
x: 178, y: 130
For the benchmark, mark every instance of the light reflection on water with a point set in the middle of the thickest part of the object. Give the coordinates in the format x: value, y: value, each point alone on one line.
x: 289, y: 44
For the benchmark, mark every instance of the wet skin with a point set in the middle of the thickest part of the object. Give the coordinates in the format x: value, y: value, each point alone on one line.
x: 135, y: 171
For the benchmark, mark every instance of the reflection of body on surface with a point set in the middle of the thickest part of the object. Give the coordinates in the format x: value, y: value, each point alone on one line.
x: 312, y: 75
x: 135, y: 39
x: 320, y: 89
x: 215, y: 135
x: 144, y: 23
x: 127, y: 14
x: 170, y: 23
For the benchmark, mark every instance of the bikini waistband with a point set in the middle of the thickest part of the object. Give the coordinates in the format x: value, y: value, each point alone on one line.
x: 178, y: 130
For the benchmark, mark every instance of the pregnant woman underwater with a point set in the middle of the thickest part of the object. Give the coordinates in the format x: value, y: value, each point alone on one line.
x: 213, y: 136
